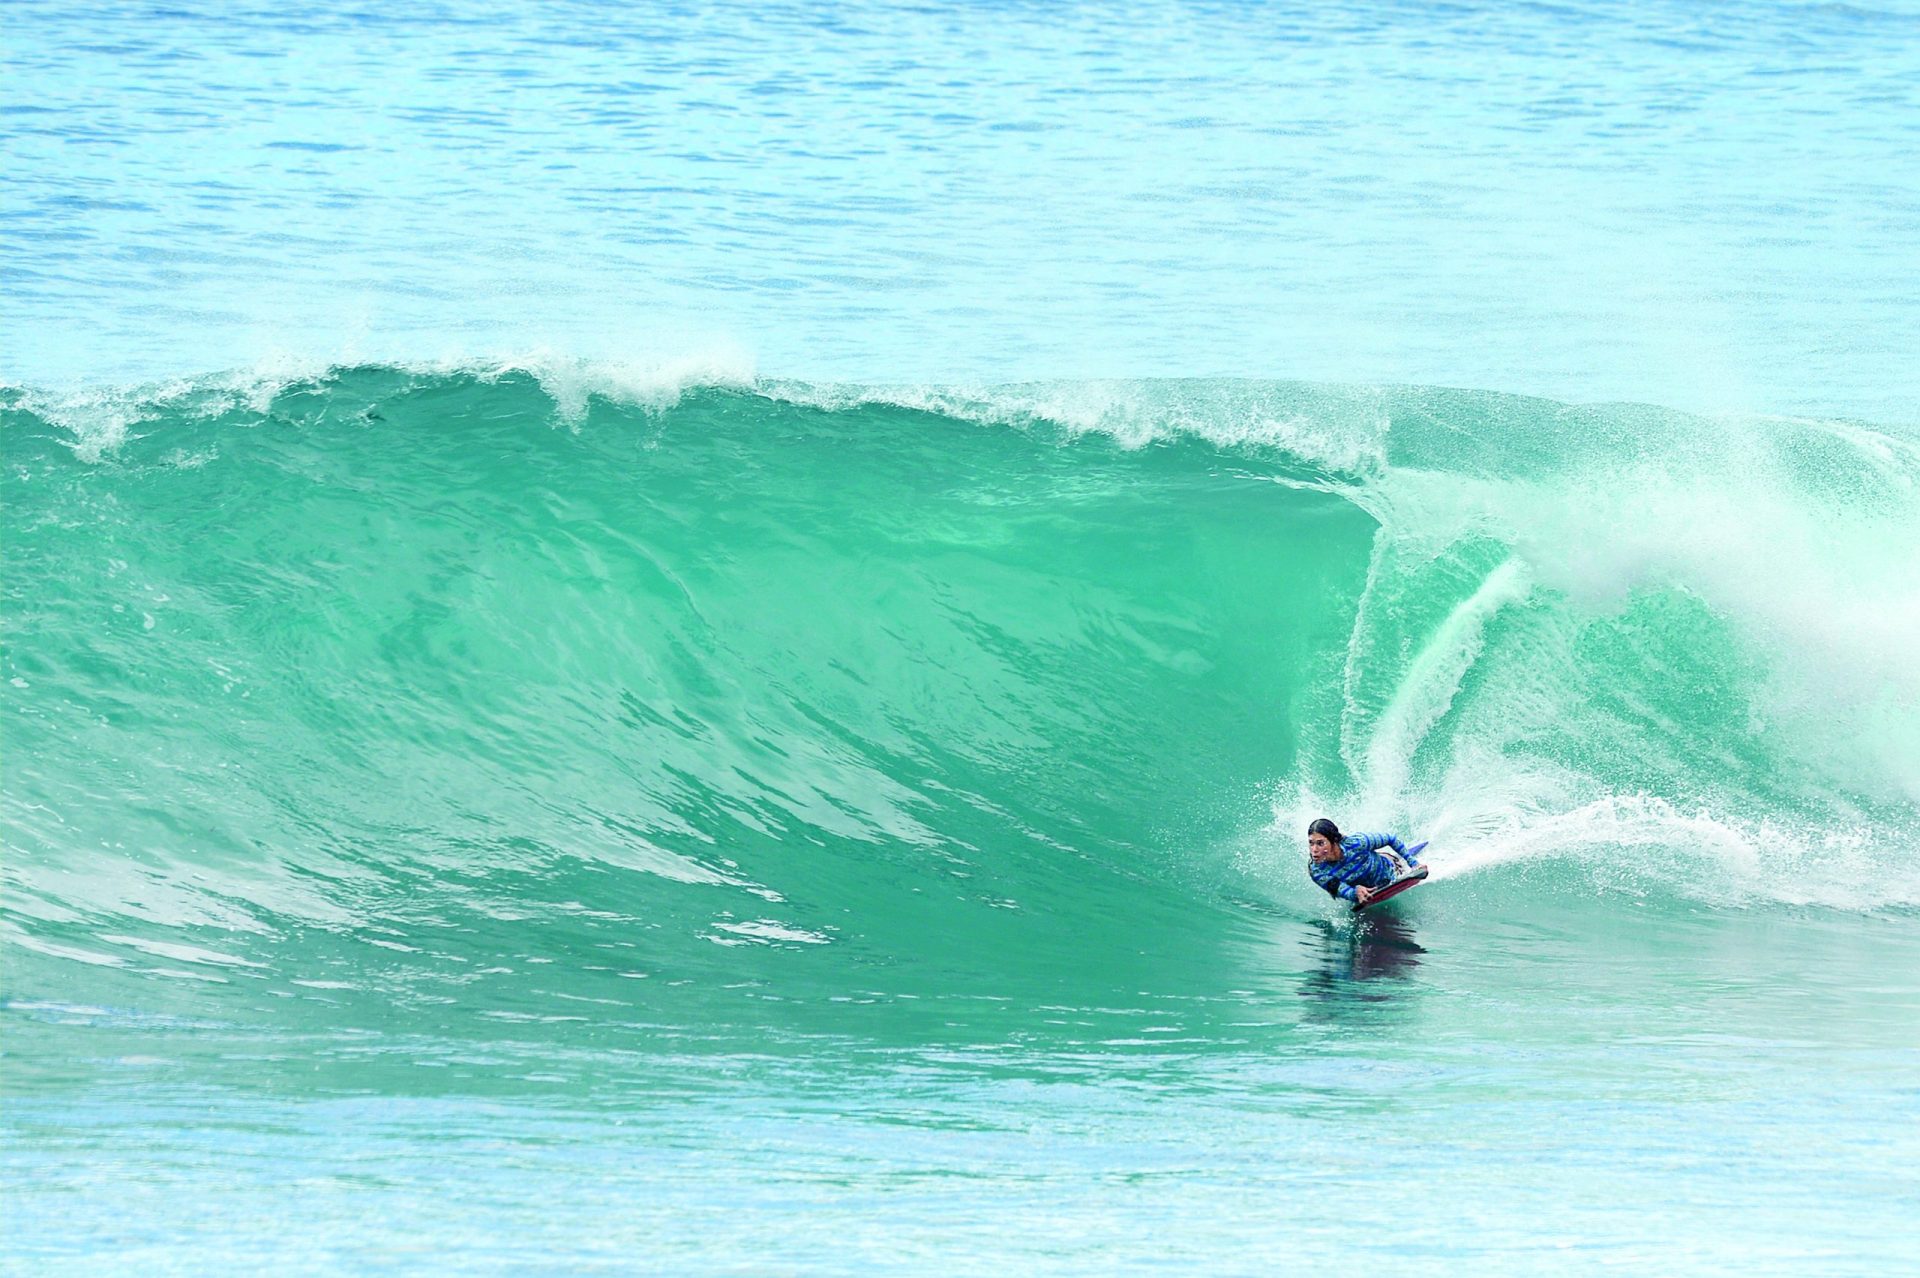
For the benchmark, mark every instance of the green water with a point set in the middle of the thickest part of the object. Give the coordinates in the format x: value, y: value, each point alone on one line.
x: 522, y: 819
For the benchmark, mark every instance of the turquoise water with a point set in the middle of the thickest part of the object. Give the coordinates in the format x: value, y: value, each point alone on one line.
x: 1707, y: 207
x: 702, y: 641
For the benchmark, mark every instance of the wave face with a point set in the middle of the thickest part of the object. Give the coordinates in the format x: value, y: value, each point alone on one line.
x: 361, y: 681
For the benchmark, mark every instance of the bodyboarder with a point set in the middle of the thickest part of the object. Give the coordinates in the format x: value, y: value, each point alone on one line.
x: 1355, y: 866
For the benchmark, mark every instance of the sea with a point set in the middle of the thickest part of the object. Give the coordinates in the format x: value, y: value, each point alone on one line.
x: 698, y: 638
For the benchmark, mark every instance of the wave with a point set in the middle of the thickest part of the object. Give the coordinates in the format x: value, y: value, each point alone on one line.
x: 699, y: 666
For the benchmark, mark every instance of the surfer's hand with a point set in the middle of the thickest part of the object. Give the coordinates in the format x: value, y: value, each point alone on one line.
x: 1363, y: 894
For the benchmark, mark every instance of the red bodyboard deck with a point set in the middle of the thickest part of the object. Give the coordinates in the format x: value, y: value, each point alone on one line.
x: 1395, y: 888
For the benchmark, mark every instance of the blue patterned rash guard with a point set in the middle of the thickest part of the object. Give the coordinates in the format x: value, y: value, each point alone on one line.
x: 1366, y: 860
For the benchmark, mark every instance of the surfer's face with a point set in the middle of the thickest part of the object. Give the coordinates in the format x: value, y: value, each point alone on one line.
x: 1321, y: 848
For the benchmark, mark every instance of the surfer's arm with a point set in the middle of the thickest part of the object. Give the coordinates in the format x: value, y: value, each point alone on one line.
x: 1327, y: 877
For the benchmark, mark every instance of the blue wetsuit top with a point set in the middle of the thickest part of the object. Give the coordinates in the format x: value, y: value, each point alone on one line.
x: 1362, y: 864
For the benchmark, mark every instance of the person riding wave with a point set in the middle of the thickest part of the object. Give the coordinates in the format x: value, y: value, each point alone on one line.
x: 1355, y: 866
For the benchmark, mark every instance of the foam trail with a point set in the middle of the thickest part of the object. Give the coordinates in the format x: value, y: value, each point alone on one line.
x: 1426, y: 692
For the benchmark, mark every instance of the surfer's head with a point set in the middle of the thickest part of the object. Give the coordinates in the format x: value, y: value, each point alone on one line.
x: 1323, y: 840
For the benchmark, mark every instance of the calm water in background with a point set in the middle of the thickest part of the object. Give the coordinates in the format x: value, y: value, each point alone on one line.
x: 1705, y: 207
x: 514, y: 763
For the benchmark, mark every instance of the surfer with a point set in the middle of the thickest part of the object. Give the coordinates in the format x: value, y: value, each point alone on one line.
x: 1355, y: 866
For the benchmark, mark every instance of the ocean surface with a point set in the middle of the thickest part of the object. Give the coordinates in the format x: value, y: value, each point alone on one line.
x: 699, y: 639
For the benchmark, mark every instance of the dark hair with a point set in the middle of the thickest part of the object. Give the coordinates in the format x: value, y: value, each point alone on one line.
x: 1328, y: 828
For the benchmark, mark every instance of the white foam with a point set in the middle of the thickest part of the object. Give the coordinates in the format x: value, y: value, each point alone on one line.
x: 1432, y: 680
x: 765, y: 932
x: 1818, y: 574
x: 1800, y: 539
x: 1634, y: 844
x: 1340, y: 428
x: 648, y: 381
x: 101, y: 418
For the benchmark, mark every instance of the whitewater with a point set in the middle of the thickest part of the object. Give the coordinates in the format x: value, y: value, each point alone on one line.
x: 683, y: 641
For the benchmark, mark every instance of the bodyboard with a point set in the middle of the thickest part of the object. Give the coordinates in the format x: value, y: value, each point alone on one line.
x: 1399, y: 885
